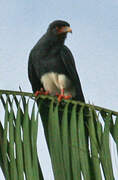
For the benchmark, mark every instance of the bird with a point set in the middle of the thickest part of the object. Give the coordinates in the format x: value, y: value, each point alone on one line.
x: 51, y: 65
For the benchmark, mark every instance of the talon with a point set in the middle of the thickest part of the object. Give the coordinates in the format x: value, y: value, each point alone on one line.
x: 46, y: 93
x: 68, y: 97
x: 62, y: 96
x: 36, y: 93
x: 41, y: 92
x: 57, y: 94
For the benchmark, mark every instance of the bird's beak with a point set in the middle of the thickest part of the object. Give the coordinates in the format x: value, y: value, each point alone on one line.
x: 65, y: 29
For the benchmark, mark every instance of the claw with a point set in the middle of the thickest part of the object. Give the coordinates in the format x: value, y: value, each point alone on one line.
x: 46, y: 93
x: 57, y: 94
x: 41, y: 92
x: 36, y: 93
x: 62, y: 96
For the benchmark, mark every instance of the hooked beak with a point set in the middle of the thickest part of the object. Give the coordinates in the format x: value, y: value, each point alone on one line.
x: 64, y: 29
x: 67, y: 29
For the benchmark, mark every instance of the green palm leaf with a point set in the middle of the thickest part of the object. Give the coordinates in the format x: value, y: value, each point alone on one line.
x: 78, y: 141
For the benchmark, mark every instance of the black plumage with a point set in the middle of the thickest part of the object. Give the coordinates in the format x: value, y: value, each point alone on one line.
x: 51, y: 64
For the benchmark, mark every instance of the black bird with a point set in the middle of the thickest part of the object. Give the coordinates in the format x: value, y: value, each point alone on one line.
x: 51, y: 66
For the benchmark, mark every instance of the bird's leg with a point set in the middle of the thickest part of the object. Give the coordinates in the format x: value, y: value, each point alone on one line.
x: 41, y: 92
x: 62, y: 96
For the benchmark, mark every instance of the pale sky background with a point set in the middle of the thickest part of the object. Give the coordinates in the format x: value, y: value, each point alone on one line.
x: 94, y: 44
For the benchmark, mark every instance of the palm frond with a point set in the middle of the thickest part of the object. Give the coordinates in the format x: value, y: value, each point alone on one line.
x: 77, y: 135
x: 19, y: 140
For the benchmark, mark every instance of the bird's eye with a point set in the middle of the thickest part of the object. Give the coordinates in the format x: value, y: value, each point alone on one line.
x: 55, y: 30
x: 58, y: 29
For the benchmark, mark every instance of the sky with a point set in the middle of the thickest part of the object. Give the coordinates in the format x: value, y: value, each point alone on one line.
x: 93, y: 43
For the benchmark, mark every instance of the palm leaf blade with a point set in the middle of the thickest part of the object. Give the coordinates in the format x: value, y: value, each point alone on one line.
x: 94, y: 146
x: 55, y: 143
x: 27, y: 146
x: 19, y: 147
x: 5, y: 143
x: 74, y: 146
x: 34, y: 131
x: 13, y: 172
x: 66, y: 144
x: 84, y: 156
x: 105, y: 151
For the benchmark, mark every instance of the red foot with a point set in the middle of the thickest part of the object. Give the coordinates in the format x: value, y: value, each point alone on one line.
x: 41, y: 92
x: 62, y: 96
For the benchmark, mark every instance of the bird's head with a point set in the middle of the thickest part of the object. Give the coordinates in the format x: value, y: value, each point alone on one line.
x: 59, y: 28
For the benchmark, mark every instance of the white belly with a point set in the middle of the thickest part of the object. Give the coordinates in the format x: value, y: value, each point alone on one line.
x: 54, y: 82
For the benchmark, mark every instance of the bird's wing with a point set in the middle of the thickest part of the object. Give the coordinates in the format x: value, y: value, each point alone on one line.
x: 33, y: 74
x: 69, y: 63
